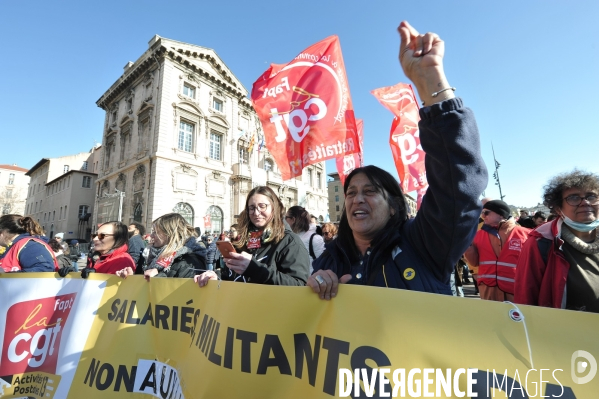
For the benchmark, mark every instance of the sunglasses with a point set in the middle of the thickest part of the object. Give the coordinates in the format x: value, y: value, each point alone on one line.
x: 485, y: 212
x: 101, y: 236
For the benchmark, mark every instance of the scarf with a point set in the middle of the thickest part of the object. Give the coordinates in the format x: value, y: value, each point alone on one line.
x: 578, y: 244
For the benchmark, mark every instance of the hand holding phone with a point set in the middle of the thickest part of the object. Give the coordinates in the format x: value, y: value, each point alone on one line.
x: 225, y: 247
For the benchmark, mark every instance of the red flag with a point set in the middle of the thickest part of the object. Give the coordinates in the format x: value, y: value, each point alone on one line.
x: 405, y: 136
x: 207, y: 222
x: 305, y: 108
x: 347, y: 163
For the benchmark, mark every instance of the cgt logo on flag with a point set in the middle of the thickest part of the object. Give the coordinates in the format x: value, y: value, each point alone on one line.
x: 346, y: 164
x: 405, y: 136
x: 305, y: 108
x: 32, y: 335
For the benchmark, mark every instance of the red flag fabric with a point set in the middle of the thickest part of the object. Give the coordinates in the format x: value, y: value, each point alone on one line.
x: 405, y: 136
x: 347, y: 163
x: 207, y: 222
x: 305, y: 108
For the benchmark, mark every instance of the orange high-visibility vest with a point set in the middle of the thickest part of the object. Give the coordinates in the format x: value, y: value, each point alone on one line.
x: 499, y: 271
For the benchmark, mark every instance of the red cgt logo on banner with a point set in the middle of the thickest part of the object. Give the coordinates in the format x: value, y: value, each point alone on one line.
x: 305, y: 108
x: 347, y: 163
x: 405, y: 136
x: 33, y: 334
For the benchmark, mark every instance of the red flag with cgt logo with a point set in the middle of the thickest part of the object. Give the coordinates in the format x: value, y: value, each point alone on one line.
x: 305, y: 108
x: 347, y: 163
x: 405, y: 136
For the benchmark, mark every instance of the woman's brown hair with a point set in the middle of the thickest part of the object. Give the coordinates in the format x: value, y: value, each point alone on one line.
x: 302, y: 219
x: 274, y: 230
x: 17, y: 224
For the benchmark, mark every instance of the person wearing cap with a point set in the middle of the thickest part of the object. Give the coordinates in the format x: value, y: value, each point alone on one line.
x: 60, y: 238
x: 211, y: 254
x: 496, y: 249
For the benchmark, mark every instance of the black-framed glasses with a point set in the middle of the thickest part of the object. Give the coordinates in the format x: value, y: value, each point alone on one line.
x: 576, y: 200
x: 101, y: 236
x: 327, y: 233
x: 260, y: 207
x: 485, y: 212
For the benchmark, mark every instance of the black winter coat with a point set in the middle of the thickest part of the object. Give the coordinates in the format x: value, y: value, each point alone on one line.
x: 284, y: 263
x: 421, y: 255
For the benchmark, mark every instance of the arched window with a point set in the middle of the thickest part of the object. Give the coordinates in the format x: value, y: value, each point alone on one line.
x: 216, y: 219
x: 137, y: 212
x: 185, y: 210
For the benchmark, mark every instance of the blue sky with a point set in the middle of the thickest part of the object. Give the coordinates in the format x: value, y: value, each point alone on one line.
x: 528, y: 69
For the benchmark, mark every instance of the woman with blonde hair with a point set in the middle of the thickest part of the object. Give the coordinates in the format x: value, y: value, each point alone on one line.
x: 329, y: 232
x: 267, y: 252
x: 174, y: 252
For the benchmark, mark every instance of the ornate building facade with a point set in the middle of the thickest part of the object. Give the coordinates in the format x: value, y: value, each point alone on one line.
x: 180, y: 135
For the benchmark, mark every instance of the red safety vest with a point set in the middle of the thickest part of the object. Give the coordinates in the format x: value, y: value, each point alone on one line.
x: 499, y: 271
x: 10, y: 261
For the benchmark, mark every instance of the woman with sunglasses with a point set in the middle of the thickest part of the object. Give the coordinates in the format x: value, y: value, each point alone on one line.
x: 267, y: 252
x: 110, y: 250
x: 329, y: 232
x: 559, y: 265
x: 175, y: 250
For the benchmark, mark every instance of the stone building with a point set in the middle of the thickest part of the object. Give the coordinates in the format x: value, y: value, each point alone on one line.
x: 61, y: 194
x: 336, y: 197
x: 180, y: 135
x: 13, y: 189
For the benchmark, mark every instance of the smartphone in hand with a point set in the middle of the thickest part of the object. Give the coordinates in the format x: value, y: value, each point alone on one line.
x: 225, y: 247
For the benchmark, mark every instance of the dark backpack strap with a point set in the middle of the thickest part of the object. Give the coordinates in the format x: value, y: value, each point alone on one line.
x: 544, y: 244
x: 312, y: 254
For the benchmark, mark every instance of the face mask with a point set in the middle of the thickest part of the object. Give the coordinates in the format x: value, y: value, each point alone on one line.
x: 582, y: 227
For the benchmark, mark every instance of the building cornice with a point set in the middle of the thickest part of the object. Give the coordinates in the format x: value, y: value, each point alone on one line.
x: 127, y: 79
x: 37, y: 166
x: 225, y: 81
x: 70, y: 172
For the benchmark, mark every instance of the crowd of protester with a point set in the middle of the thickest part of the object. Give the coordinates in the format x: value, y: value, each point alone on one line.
x: 544, y: 260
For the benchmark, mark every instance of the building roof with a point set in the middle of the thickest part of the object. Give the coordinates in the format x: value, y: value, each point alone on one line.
x: 13, y: 167
x: 201, y: 60
x: 71, y: 172
x: 37, y: 166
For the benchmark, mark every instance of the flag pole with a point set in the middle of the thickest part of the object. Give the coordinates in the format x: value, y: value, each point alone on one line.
x: 496, y: 174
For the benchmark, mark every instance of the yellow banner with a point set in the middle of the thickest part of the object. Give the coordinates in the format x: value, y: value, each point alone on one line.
x: 170, y: 339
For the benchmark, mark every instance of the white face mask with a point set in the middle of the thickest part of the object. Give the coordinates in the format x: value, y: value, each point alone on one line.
x: 582, y: 227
